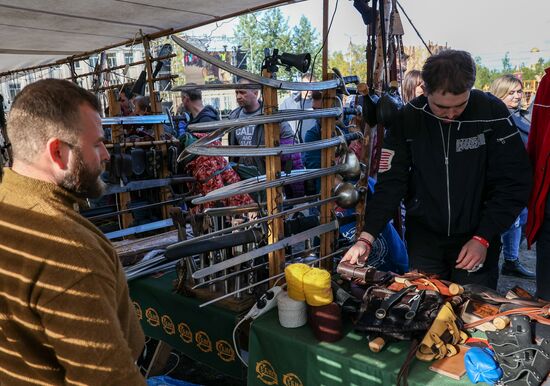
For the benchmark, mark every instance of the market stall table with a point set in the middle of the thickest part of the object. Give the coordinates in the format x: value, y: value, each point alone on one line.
x: 293, y: 357
x: 203, y: 334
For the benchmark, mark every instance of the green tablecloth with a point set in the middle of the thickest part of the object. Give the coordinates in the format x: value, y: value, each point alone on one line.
x: 293, y: 357
x: 204, y: 334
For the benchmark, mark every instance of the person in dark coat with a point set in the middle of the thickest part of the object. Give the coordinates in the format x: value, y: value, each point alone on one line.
x: 509, y: 89
x: 457, y: 159
x: 192, y: 102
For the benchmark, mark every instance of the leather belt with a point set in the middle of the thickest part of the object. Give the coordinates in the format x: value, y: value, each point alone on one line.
x: 389, y: 302
x: 415, y: 300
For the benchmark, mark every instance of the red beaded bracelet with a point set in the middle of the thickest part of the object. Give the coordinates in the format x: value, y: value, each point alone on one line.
x: 481, y: 240
x: 364, y: 240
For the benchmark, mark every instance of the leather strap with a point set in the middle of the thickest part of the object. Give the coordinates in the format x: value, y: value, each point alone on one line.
x: 389, y: 302
x: 416, y: 300
x: 535, y: 313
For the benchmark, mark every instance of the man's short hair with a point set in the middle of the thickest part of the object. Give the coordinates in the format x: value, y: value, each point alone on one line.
x: 194, y: 94
x: 142, y: 102
x: 127, y: 90
x: 449, y: 71
x: 49, y: 108
x: 316, y: 95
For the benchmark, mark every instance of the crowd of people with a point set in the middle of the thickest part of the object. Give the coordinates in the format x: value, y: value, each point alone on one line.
x: 455, y: 157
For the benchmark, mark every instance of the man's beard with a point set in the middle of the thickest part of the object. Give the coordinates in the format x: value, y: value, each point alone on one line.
x: 82, y: 180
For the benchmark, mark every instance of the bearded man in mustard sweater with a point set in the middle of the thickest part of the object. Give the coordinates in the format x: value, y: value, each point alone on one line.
x: 65, y: 314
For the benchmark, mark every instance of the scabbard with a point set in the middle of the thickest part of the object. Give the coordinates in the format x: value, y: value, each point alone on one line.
x: 195, y: 247
x: 279, y: 84
x: 297, y: 225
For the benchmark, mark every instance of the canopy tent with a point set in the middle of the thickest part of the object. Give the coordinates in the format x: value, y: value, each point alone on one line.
x: 43, y: 32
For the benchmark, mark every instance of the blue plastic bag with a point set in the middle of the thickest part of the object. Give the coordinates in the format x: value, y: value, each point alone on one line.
x: 481, y: 365
x: 165, y: 380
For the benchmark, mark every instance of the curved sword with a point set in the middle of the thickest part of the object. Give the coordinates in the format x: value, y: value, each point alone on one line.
x: 277, y: 117
x: 286, y: 242
x: 259, y: 151
x: 217, y: 86
x: 259, y: 183
x: 279, y: 84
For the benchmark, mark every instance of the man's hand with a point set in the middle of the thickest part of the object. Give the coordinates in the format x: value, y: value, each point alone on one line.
x: 472, y: 254
x: 360, y: 251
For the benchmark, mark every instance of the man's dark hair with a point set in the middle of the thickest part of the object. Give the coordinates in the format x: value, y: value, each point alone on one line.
x: 127, y: 90
x: 449, y: 71
x: 49, y: 108
x: 193, y: 93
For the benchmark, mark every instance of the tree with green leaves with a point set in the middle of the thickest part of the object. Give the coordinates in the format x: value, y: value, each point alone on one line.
x: 485, y: 76
x: 269, y: 30
x: 247, y: 37
x: 351, y: 62
x: 506, y: 64
x: 305, y: 38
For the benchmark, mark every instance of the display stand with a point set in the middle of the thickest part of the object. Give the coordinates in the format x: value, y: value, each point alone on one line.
x: 327, y: 182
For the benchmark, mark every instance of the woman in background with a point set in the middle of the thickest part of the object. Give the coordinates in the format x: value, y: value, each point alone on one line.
x: 509, y: 89
x: 412, y: 85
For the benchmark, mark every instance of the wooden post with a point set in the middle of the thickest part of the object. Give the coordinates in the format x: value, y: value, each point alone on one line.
x: 327, y: 182
x: 117, y: 132
x: 366, y: 152
x: 73, y: 71
x: 274, y: 197
x: 325, y: 39
x: 158, y: 128
x: 327, y: 155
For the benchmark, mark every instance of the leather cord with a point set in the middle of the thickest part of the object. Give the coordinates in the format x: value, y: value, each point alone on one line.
x: 535, y: 313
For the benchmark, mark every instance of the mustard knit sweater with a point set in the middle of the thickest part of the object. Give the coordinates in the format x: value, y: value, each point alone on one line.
x: 65, y: 314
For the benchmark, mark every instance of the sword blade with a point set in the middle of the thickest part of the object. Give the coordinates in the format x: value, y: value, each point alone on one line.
x: 338, y: 252
x: 246, y: 270
x: 296, y: 86
x: 278, y: 117
x: 297, y: 238
x: 147, y: 184
x: 254, y: 222
x: 259, y: 183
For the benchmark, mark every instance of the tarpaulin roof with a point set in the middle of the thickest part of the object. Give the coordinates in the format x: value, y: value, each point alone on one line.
x: 39, y: 32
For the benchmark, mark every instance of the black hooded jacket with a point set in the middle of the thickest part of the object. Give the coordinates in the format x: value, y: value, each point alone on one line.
x: 207, y: 114
x: 480, y: 190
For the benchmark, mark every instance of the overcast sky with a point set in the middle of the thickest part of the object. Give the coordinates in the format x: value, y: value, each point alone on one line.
x: 486, y: 28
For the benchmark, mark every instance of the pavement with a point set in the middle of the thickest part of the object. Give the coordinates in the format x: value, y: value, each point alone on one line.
x: 528, y: 259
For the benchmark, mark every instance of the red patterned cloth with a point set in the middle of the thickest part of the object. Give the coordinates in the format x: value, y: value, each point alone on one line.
x: 206, y: 170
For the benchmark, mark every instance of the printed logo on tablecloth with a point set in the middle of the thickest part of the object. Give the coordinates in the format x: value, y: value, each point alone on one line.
x: 292, y: 379
x: 203, y: 341
x: 168, y: 325
x: 225, y: 351
x: 152, y: 317
x: 185, y: 332
x: 266, y: 373
x: 139, y: 313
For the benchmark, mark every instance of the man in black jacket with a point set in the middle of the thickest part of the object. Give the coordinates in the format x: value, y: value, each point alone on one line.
x: 456, y: 158
x: 192, y: 102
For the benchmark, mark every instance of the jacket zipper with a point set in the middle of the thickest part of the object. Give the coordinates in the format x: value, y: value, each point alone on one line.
x: 503, y: 139
x: 446, y: 155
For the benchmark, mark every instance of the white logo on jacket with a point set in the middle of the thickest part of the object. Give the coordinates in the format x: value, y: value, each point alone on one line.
x: 470, y: 143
